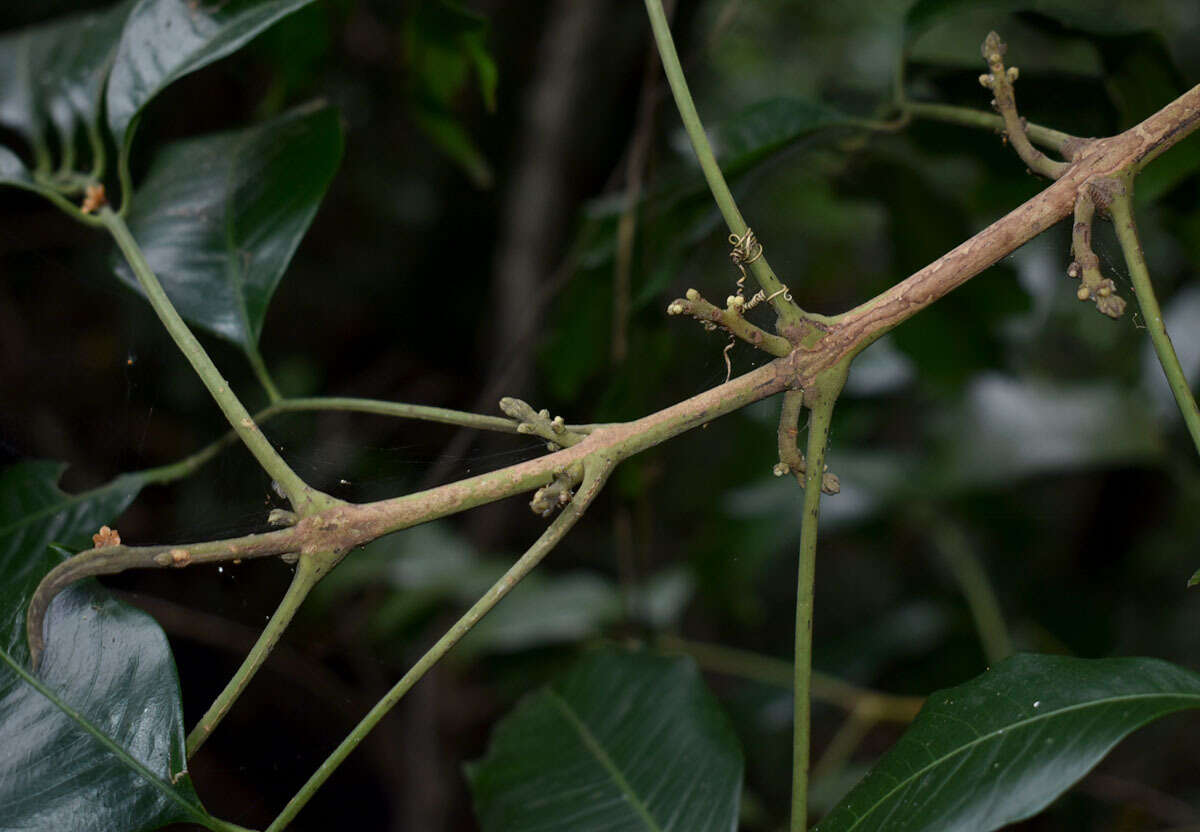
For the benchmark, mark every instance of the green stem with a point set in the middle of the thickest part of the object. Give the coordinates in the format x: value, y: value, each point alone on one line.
x: 789, y: 313
x: 304, y: 499
x: 399, y: 410
x: 596, y: 471
x: 1121, y: 210
x: 309, y: 571
x: 189, y: 464
x: 972, y: 579
x: 768, y: 670
x: 818, y: 435
x: 967, y: 117
x: 261, y: 373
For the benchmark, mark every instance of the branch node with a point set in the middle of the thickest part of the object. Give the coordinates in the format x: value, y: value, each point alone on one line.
x: 539, y: 423
x: 558, y: 492
x: 282, y: 517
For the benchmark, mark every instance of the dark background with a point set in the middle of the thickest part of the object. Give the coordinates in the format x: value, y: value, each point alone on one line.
x: 1009, y: 426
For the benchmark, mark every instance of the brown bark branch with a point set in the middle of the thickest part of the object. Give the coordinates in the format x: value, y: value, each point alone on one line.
x: 343, y: 527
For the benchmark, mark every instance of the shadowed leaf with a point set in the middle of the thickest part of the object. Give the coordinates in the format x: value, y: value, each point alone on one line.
x: 219, y: 217
x: 1003, y: 746
x: 623, y: 742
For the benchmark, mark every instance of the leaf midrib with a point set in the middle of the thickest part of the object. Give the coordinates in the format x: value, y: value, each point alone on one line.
x: 991, y: 735
x: 196, y: 813
x: 593, y: 745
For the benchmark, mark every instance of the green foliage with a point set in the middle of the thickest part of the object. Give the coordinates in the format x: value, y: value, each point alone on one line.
x: 219, y: 217
x: 55, y: 73
x: 164, y: 40
x: 617, y: 728
x: 982, y: 408
x: 102, y: 717
x: 1003, y: 746
x: 444, y: 44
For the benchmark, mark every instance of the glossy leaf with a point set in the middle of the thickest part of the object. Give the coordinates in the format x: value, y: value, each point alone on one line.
x: 219, y: 217
x: 92, y: 741
x: 165, y: 40
x: 54, y: 75
x: 1003, y: 746
x: 625, y: 741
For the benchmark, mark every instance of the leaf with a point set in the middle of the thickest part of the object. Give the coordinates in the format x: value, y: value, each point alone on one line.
x: 1115, y: 19
x: 1195, y: 579
x: 1003, y: 746
x: 13, y: 172
x: 768, y: 126
x: 219, y: 217
x: 625, y: 741
x: 165, y: 40
x: 444, y: 43
x: 56, y: 73
x: 92, y: 741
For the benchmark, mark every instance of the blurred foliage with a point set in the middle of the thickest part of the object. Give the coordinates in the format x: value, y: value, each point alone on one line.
x: 1029, y: 422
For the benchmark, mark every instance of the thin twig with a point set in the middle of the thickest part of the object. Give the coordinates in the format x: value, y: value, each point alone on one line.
x: 309, y: 571
x: 790, y: 459
x: 1000, y: 81
x: 789, y: 313
x: 1121, y: 209
x: 1055, y: 140
x: 304, y: 498
x: 1094, y: 286
x: 818, y: 435
x: 971, y: 576
x: 729, y: 319
x: 717, y: 658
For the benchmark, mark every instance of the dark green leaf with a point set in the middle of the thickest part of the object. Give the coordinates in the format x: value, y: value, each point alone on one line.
x: 220, y: 216
x: 1195, y: 579
x: 444, y: 44
x: 625, y: 741
x: 54, y: 74
x: 1003, y: 746
x: 451, y: 138
x: 13, y: 172
x: 92, y: 741
x: 165, y: 40
x: 767, y: 127
x: 1107, y: 18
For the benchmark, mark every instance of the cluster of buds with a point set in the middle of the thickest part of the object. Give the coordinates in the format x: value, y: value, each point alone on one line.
x: 539, y: 423
x: 830, y: 483
x: 1098, y: 289
x: 557, y: 493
